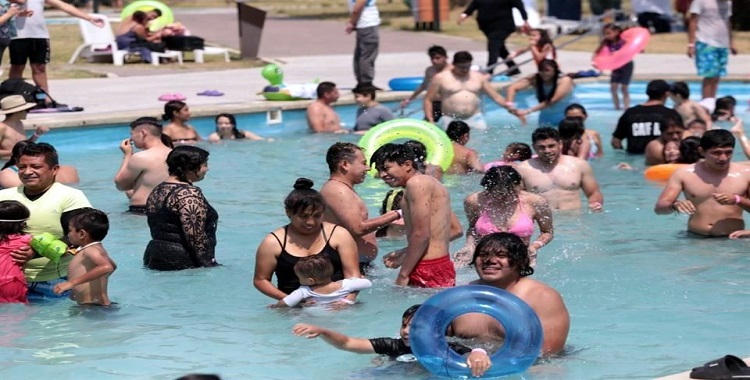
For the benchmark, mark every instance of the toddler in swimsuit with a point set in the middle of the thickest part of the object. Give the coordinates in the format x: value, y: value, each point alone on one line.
x: 314, y: 273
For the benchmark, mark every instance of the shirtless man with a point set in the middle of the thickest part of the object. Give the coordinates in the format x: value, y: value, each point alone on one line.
x: 716, y: 190
x: 15, y: 108
x: 348, y: 167
x: 689, y: 109
x: 556, y: 177
x: 501, y: 260
x: 321, y: 117
x: 465, y: 160
x: 671, y: 130
x: 141, y: 172
x: 459, y: 90
x: 425, y: 262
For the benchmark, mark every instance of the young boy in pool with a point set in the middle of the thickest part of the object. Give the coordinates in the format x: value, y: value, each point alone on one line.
x: 314, y: 273
x: 439, y: 60
x: 478, y: 360
x: 88, y: 272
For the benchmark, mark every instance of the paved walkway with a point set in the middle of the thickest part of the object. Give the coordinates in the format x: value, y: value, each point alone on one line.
x: 309, y: 49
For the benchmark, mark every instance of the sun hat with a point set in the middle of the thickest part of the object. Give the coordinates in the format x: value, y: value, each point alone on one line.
x: 14, y: 103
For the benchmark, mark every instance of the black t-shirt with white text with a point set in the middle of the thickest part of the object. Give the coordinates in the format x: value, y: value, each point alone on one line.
x: 641, y: 124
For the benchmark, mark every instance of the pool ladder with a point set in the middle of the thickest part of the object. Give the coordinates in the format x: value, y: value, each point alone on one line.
x: 274, y: 116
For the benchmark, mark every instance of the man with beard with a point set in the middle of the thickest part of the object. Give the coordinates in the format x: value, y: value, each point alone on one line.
x: 348, y: 167
x: 715, y: 189
x: 556, y: 177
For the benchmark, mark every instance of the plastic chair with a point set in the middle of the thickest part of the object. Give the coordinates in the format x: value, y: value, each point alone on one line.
x: 99, y: 41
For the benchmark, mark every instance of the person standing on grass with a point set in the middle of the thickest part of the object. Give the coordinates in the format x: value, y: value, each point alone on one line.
x: 31, y: 44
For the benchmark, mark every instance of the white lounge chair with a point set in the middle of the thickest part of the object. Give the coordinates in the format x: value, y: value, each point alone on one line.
x: 99, y: 41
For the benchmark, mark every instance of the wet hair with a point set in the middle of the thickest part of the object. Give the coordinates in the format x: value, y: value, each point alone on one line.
x: 409, y: 313
x: 420, y: 151
x: 681, y: 89
x: 717, y: 138
x: 140, y: 17
x: 318, y: 267
x: 365, y: 90
x: 689, y: 153
x: 235, y: 132
x: 544, y: 39
x: 199, y: 376
x: 94, y: 222
x: 462, y: 57
x: 518, y: 252
x: 185, y: 159
x: 30, y: 148
x: 398, y: 153
x: 541, y: 95
x: 571, y: 129
x: 153, y: 126
x: 391, y: 202
x: 303, y: 198
x: 724, y: 107
x: 523, y: 150
x: 436, y: 50
x: 457, y: 129
x: 341, y: 151
x: 504, y: 178
x: 545, y: 133
x: 157, y: 11
x: 576, y: 106
x: 15, y: 153
x: 13, y: 215
x: 170, y: 108
x: 324, y: 88
x: 657, y: 89
x: 670, y: 122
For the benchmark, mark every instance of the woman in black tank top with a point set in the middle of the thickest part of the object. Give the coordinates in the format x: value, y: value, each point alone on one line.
x: 305, y: 235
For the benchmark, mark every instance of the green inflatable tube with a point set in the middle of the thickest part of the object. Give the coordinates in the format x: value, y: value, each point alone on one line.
x: 439, y: 146
x: 165, y: 19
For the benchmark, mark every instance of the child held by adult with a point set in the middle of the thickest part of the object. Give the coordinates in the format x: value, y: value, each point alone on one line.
x: 316, y: 286
x: 89, y: 271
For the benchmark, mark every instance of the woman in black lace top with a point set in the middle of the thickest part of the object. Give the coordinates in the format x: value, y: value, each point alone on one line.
x: 182, y: 222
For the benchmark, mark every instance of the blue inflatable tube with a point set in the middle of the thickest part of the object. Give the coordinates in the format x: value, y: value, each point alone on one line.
x: 405, y: 83
x: 523, y: 331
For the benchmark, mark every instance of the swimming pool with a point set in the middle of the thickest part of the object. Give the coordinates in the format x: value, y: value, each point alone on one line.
x: 644, y: 299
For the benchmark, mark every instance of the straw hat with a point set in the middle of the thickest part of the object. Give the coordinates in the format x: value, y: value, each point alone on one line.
x: 14, y: 103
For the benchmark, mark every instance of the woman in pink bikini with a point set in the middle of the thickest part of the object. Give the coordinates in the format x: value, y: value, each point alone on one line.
x: 503, y: 207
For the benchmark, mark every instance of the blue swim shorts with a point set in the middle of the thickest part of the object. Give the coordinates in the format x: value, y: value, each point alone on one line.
x: 45, y: 289
x: 711, y: 61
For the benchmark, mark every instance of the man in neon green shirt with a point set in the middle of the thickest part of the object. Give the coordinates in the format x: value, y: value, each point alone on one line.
x: 51, y: 204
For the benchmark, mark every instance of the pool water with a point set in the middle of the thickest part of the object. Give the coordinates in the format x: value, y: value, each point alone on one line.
x: 645, y: 300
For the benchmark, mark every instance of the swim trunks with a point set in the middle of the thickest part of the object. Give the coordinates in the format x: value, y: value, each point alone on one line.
x: 711, y: 61
x: 140, y: 210
x: 435, y: 273
x: 39, y: 290
x: 475, y: 122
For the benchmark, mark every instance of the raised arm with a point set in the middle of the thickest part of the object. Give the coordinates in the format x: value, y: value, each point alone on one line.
x: 73, y: 11
x: 130, y: 169
x: 738, y: 130
x: 335, y: 339
x: 265, y: 264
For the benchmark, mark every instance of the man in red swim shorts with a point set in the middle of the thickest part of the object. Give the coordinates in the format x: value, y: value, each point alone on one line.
x: 425, y: 261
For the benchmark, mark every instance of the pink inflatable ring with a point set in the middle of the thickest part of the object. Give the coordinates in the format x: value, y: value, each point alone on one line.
x: 636, y: 40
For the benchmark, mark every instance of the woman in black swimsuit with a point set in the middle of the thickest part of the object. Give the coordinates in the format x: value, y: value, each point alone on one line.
x: 182, y: 222
x: 305, y: 235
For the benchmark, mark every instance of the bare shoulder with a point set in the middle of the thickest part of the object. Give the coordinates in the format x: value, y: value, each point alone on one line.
x: 538, y: 294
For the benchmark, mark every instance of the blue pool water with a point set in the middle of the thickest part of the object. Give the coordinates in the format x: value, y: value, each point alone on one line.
x: 644, y: 299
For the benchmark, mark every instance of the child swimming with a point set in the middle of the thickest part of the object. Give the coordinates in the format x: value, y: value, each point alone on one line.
x: 478, y: 360
x: 314, y: 273
x: 88, y: 272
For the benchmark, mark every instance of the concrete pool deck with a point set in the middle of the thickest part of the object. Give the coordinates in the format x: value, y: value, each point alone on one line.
x: 132, y: 91
x: 686, y: 375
